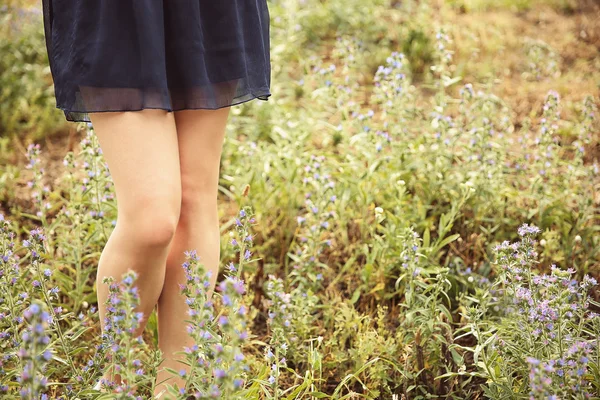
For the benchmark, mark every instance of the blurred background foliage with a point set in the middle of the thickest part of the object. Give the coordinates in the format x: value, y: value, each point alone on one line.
x: 308, y: 28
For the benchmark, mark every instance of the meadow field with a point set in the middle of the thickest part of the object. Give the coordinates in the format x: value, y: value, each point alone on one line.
x: 413, y: 214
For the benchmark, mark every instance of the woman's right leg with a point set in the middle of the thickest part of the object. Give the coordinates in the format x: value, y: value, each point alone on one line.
x: 141, y: 150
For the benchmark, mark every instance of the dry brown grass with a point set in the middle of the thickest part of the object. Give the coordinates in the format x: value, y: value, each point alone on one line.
x: 499, y: 37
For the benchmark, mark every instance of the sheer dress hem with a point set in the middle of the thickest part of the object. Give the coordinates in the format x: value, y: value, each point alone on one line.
x: 83, y: 115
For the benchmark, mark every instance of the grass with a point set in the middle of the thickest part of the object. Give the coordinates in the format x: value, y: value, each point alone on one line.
x: 421, y: 200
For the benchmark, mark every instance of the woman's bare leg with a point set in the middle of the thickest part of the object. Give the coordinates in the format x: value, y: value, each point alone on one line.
x: 200, y: 136
x: 140, y: 148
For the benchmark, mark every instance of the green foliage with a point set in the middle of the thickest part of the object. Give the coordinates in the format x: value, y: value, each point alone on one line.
x: 542, y: 60
x: 27, y: 104
x: 417, y: 47
x: 566, y: 6
x: 479, y: 5
x: 379, y: 199
x: 544, y: 339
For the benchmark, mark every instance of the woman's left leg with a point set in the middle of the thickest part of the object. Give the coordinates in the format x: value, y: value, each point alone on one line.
x: 200, y: 136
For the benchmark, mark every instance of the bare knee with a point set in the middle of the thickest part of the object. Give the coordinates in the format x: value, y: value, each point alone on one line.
x: 158, y: 230
x: 152, y: 223
x: 197, y: 198
x: 198, y: 191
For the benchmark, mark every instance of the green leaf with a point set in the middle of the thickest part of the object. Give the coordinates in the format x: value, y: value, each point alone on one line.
x: 426, y: 238
x: 355, y: 295
x: 450, y: 82
x: 447, y: 240
x: 319, y: 395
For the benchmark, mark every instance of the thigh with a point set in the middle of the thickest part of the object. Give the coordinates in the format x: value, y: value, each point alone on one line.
x: 200, y: 136
x: 141, y: 150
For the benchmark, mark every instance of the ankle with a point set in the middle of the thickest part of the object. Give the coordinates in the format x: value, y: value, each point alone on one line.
x: 111, y: 379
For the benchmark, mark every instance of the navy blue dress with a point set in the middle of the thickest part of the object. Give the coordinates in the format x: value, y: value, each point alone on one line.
x: 127, y: 55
